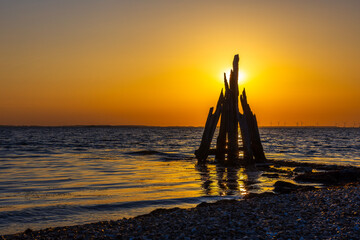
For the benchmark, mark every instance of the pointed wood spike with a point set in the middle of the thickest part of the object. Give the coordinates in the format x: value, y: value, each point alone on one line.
x: 220, y: 102
x: 244, y: 95
x: 236, y: 62
x: 235, y: 74
x: 211, y: 111
x: 226, y: 84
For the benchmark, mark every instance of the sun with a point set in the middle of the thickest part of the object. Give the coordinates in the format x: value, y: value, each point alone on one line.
x: 241, y: 77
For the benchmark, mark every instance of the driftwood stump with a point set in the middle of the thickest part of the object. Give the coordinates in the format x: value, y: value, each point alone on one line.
x: 228, y: 139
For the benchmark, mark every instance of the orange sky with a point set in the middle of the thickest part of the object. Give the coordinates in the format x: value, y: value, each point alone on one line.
x: 161, y: 62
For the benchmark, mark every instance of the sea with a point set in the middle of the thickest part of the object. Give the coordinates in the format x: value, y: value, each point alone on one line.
x: 60, y: 176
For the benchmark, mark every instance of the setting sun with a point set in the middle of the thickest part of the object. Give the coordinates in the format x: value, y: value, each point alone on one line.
x: 242, y: 76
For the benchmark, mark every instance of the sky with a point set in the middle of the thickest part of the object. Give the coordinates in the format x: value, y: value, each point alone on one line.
x: 161, y: 62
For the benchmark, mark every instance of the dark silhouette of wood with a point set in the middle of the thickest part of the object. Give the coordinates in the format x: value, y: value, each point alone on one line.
x: 251, y: 122
x: 233, y: 133
x: 233, y: 147
x: 221, y: 140
x: 246, y: 140
x: 228, y: 139
x: 210, y: 126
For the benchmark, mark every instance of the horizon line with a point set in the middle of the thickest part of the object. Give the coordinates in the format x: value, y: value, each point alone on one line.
x: 143, y: 125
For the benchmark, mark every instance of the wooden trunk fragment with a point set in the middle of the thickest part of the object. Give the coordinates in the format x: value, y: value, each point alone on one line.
x: 256, y: 145
x: 201, y: 151
x: 233, y: 133
x: 210, y: 126
x: 246, y: 140
x: 233, y: 152
x: 221, y: 140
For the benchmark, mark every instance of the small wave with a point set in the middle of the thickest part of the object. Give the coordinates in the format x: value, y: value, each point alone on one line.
x: 151, y: 203
x: 146, y: 152
x: 79, y: 149
x: 174, y: 157
x: 58, y: 211
x: 164, y: 156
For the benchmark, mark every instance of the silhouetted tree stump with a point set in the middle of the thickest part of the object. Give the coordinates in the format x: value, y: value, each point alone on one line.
x: 228, y: 139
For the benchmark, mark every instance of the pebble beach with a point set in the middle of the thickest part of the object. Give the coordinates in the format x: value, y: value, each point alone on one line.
x: 328, y: 213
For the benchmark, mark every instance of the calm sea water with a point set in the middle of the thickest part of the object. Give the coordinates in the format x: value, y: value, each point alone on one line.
x: 55, y: 176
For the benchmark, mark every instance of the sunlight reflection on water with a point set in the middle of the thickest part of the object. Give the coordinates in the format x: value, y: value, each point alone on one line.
x: 70, y: 175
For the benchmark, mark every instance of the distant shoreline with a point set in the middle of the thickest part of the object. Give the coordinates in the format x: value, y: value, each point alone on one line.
x: 154, y: 126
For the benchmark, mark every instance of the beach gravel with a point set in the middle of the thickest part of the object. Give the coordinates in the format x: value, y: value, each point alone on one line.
x: 332, y: 213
